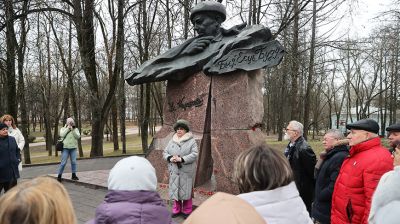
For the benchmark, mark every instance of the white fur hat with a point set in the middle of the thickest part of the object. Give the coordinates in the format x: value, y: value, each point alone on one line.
x: 132, y: 173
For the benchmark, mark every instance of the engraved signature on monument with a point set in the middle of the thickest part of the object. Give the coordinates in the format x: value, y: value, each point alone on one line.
x: 184, y: 105
x: 267, y: 55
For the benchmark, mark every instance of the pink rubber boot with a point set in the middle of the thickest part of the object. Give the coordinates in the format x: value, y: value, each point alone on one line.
x: 176, y: 208
x: 187, y: 207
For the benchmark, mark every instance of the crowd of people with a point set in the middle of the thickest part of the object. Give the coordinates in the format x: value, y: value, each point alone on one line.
x: 354, y: 180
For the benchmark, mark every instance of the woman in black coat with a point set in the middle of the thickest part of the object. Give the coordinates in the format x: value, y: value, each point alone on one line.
x: 9, y: 159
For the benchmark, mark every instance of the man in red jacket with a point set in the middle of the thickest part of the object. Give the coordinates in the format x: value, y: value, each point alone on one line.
x: 359, y: 174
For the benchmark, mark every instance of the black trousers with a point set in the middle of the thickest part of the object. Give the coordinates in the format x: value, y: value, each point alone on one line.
x: 7, y: 185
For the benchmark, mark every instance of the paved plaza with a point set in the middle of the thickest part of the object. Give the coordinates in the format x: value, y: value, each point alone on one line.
x: 87, y: 193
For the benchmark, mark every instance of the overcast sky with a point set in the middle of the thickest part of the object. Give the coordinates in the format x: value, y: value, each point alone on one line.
x: 363, y: 18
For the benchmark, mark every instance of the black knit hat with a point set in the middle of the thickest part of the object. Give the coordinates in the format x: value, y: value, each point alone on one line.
x: 365, y: 124
x: 182, y: 124
x: 394, y: 127
x: 2, y: 125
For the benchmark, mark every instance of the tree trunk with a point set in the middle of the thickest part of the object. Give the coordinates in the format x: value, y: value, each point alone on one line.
x: 11, y: 90
x: 21, y: 87
x: 295, y: 63
x: 307, y: 100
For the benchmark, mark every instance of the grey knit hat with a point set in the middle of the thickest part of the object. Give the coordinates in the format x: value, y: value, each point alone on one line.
x: 208, y: 6
x: 182, y: 124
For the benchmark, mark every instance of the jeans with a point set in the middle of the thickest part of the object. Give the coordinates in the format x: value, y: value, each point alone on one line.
x: 64, y: 157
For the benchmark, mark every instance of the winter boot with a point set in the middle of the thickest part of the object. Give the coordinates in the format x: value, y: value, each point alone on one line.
x: 59, y: 178
x: 74, y: 177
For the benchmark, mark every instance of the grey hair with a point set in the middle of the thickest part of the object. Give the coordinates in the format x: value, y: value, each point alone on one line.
x: 297, y: 126
x: 335, y: 133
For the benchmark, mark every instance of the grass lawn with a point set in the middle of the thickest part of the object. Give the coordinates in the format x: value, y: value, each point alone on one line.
x: 133, y: 145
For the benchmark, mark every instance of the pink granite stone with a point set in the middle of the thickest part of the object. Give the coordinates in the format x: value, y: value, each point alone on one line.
x: 188, y: 100
x: 226, y: 145
x: 237, y: 100
x: 222, y: 128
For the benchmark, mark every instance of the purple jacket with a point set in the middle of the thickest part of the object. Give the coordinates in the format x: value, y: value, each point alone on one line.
x: 139, y: 207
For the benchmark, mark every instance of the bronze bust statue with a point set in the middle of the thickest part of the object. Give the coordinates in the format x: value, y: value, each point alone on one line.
x: 214, y: 50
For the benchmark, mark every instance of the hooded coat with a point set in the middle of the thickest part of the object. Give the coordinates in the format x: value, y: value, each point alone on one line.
x: 325, y: 181
x: 281, y: 205
x: 386, y: 199
x: 125, y: 207
x: 357, y: 181
x: 181, y: 179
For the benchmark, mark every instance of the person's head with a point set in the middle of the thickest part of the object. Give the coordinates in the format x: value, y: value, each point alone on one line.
x: 293, y: 131
x: 207, y: 17
x: 396, y: 155
x: 394, y: 134
x: 3, y: 130
x: 261, y: 168
x: 70, y: 122
x: 132, y: 173
x: 362, y: 130
x: 225, y: 208
x: 8, y: 120
x: 39, y: 201
x: 331, y: 138
x: 181, y: 127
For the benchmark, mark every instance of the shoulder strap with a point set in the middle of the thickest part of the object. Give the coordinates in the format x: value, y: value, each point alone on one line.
x: 66, y: 134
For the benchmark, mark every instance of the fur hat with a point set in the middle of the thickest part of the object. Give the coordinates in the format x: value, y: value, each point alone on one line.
x: 2, y: 125
x: 182, y: 124
x: 365, y: 124
x: 208, y: 6
x: 132, y: 173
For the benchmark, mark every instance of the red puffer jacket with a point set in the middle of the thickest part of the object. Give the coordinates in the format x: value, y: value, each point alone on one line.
x: 357, y: 180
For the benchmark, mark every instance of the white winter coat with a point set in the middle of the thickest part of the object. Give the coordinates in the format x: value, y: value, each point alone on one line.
x: 279, y: 206
x: 386, y: 199
x: 19, y: 138
x: 181, y: 179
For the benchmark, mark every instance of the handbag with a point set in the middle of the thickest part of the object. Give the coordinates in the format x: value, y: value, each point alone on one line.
x: 60, y: 143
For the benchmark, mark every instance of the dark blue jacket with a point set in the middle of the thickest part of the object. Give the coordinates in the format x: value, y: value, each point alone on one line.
x: 9, y: 159
x: 326, y: 178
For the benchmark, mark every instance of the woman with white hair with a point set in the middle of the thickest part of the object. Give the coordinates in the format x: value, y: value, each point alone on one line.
x: 70, y: 135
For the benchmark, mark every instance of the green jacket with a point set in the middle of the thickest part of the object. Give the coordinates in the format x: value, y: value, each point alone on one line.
x: 70, y: 138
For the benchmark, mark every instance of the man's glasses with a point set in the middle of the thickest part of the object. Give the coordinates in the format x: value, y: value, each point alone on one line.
x: 287, y: 129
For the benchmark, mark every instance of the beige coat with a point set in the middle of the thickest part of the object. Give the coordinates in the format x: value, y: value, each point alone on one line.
x: 181, y: 179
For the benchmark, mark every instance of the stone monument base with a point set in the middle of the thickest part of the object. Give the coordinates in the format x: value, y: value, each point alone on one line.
x: 225, y: 112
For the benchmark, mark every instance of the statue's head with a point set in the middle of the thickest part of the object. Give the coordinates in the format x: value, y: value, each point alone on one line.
x: 207, y: 17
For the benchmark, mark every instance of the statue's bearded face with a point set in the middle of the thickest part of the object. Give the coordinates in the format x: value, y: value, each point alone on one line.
x: 206, y: 24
